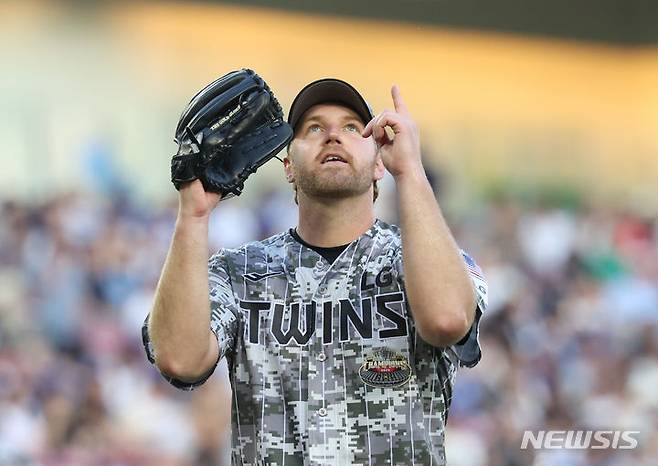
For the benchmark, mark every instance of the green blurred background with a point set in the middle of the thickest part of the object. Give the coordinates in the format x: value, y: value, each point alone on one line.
x: 501, y: 109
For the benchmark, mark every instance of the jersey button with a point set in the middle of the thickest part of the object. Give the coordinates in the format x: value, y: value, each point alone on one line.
x: 322, y: 357
x: 322, y: 412
x: 319, y: 264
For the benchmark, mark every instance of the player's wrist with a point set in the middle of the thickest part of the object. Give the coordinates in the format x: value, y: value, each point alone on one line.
x: 192, y: 219
x: 411, y: 175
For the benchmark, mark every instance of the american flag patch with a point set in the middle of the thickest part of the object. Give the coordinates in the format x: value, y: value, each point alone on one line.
x: 473, y: 268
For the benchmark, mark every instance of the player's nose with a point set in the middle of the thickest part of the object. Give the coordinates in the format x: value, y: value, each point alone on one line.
x: 333, y: 135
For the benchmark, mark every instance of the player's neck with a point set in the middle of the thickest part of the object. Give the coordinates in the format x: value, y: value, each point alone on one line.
x: 334, y: 223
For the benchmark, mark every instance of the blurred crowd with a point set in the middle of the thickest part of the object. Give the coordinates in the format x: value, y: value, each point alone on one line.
x: 570, y: 337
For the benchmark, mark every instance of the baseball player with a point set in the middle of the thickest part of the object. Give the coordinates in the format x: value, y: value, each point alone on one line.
x: 343, y: 335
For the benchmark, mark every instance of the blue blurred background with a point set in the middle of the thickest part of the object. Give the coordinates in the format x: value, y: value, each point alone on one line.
x: 539, y: 129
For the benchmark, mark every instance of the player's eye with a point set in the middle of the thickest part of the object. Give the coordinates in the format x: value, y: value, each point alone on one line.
x: 351, y: 127
x: 314, y: 128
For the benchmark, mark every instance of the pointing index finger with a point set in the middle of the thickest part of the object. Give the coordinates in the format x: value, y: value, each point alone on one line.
x: 400, y: 106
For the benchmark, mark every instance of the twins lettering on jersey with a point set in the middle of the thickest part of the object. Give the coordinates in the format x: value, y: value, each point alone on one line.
x: 298, y: 329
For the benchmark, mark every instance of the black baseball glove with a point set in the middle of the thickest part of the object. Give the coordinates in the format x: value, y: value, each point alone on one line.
x: 229, y: 129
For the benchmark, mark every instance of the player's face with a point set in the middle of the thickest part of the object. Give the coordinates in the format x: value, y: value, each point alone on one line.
x: 328, y: 157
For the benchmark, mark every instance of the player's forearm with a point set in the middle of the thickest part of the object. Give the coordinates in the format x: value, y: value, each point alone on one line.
x: 439, y: 290
x: 180, y: 319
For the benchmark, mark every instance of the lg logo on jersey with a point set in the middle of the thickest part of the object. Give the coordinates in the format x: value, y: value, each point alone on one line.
x: 384, y: 278
x: 294, y: 331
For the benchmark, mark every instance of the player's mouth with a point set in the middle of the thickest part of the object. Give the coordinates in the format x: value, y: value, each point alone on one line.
x: 333, y: 158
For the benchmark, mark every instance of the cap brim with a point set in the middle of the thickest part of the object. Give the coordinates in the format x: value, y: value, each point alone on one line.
x: 325, y: 91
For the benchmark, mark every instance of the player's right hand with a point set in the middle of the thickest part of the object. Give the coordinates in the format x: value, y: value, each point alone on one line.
x: 195, y: 202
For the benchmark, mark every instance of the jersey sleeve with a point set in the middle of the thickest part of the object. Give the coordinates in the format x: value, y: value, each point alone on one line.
x: 468, y: 348
x: 224, y: 320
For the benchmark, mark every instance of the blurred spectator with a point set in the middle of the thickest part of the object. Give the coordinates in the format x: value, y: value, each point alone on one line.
x: 570, y: 338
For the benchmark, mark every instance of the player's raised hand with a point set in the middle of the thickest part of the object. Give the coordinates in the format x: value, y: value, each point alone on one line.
x: 400, y: 151
x: 195, y: 202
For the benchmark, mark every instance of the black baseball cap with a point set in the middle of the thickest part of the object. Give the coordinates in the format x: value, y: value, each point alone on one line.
x: 325, y: 91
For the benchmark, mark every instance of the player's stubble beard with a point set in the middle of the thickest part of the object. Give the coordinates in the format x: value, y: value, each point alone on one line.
x: 339, y: 183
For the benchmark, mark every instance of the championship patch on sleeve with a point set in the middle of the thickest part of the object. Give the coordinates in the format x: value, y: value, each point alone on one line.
x: 385, y: 368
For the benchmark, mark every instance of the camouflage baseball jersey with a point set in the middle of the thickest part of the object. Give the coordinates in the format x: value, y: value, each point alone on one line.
x: 324, y: 359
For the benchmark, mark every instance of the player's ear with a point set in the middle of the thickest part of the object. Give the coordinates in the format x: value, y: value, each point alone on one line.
x: 380, y: 170
x: 287, y: 167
